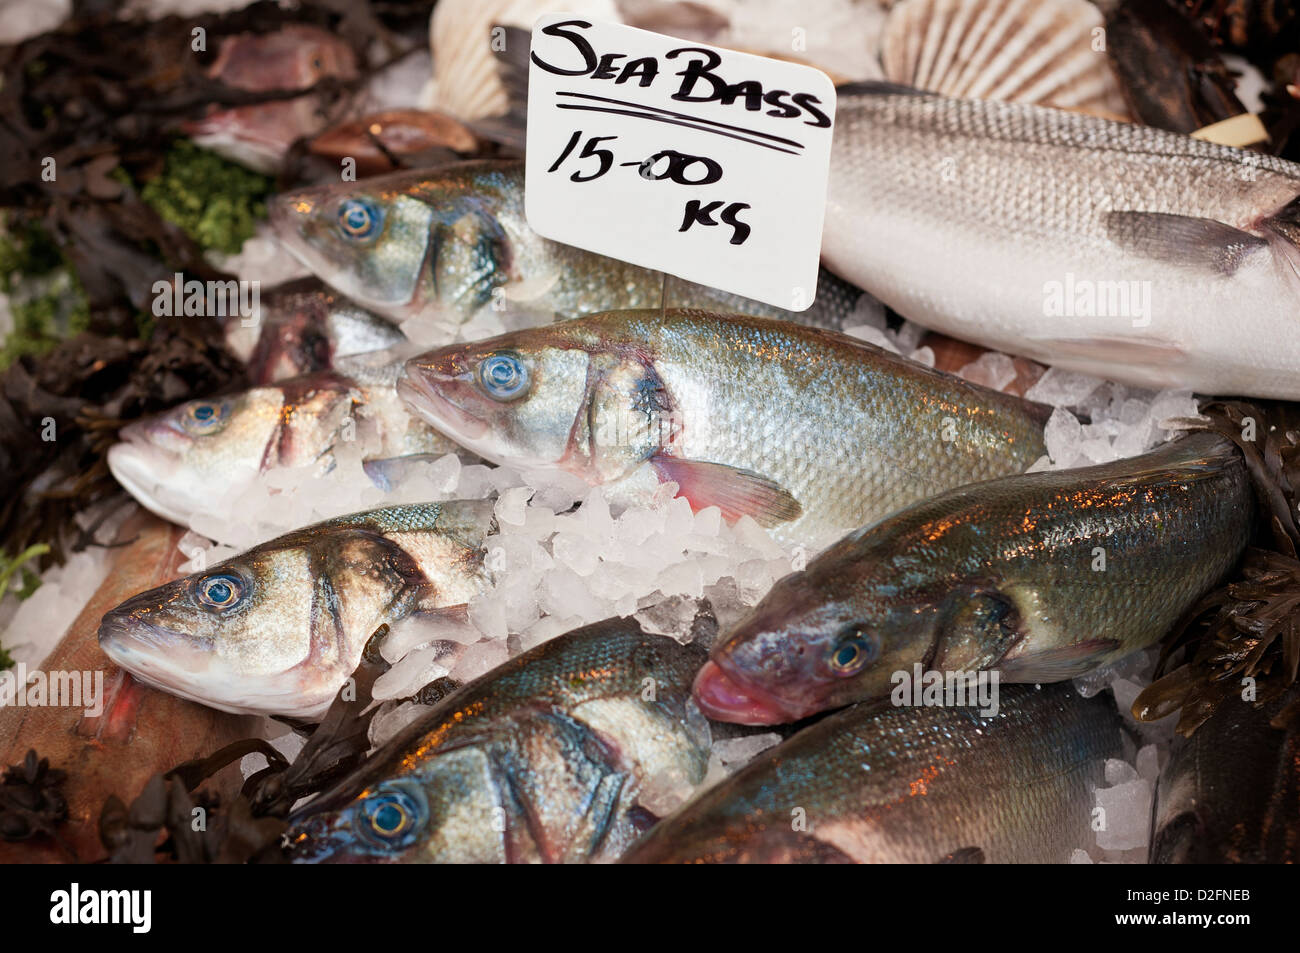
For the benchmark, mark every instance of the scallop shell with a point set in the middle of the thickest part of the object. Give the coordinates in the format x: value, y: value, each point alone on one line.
x: 1050, y: 52
x: 464, y: 65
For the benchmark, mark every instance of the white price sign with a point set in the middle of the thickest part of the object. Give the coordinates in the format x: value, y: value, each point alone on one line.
x: 701, y: 162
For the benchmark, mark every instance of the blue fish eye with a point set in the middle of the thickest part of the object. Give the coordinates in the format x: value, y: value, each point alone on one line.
x: 855, y: 649
x: 220, y: 591
x: 359, y: 218
x: 503, y: 376
x: 391, y: 818
x: 203, y: 416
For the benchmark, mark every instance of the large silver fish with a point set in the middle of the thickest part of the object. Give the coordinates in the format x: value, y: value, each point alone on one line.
x: 445, y: 243
x: 878, y: 784
x: 278, y: 629
x: 1119, y: 250
x: 1042, y: 576
x: 1230, y: 794
x: 809, y: 432
x: 552, y: 757
x: 199, y: 457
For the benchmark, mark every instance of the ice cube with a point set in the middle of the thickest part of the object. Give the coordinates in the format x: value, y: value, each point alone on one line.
x: 1063, y: 436
x: 512, y: 505
x: 1062, y: 388
x: 1127, y: 814
x: 991, y: 369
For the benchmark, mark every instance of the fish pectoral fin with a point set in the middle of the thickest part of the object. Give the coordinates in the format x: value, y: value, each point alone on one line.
x: 963, y: 855
x: 1058, y: 664
x: 1183, y: 239
x: 1108, y: 351
x: 735, y: 491
x: 530, y: 289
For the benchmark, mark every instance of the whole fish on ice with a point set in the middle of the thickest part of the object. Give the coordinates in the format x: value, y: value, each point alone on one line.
x: 809, y: 432
x: 563, y: 754
x: 878, y: 784
x: 199, y: 457
x: 1042, y: 576
x: 450, y: 242
x: 278, y: 629
x: 1113, y: 249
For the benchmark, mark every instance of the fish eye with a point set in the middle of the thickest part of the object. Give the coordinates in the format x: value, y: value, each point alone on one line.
x: 503, y: 376
x: 204, y: 416
x: 220, y: 591
x: 391, y: 817
x: 359, y: 218
x: 854, y: 650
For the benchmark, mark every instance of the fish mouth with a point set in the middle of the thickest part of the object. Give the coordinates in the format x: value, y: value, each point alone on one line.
x: 319, y: 837
x: 179, y: 666
x: 419, y: 388
x: 144, y: 471
x: 154, y: 655
x: 723, y: 698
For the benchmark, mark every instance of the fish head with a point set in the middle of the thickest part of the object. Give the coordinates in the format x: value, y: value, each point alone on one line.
x: 195, y: 456
x: 238, y: 636
x: 384, y: 823
x: 183, y: 461
x: 511, y: 399
x: 437, y: 240
x: 560, y: 396
x: 841, y: 630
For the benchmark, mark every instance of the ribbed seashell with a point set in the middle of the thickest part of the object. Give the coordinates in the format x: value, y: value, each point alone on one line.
x: 1050, y: 52
x: 464, y: 64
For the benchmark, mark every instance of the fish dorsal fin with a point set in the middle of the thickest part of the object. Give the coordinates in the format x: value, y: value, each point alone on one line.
x: 1025, y: 51
x: 734, y: 490
x: 1183, y: 239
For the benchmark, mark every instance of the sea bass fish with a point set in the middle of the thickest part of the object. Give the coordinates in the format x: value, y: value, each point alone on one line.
x: 549, y: 758
x: 296, y: 56
x: 1230, y: 794
x: 1118, y: 250
x: 200, y: 456
x: 1042, y: 576
x: 445, y: 243
x: 306, y: 327
x: 278, y: 629
x: 924, y: 785
x: 807, y: 431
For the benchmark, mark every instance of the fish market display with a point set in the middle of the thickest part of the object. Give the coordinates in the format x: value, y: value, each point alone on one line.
x: 199, y: 457
x: 1042, y: 577
x: 806, y: 431
x: 877, y: 784
x: 1117, y: 250
x: 277, y: 629
x: 557, y: 756
x: 448, y: 243
x: 294, y: 57
x: 1230, y: 793
x: 479, y: 547
x: 305, y: 327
